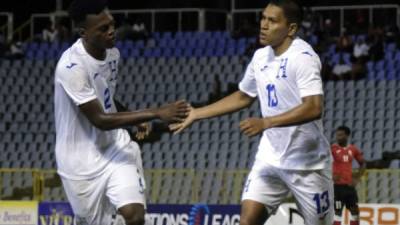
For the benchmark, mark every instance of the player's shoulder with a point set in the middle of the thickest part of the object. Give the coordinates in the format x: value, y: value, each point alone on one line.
x: 114, y: 53
x: 301, y: 51
x: 70, y: 64
x: 335, y: 146
x: 262, y: 53
x: 353, y: 147
x: 73, y: 57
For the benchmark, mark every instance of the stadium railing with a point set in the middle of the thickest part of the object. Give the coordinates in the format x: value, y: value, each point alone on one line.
x: 184, y: 186
x: 202, y: 16
x: 7, y: 28
x: 332, y: 12
x: 231, y: 18
x: 21, y: 183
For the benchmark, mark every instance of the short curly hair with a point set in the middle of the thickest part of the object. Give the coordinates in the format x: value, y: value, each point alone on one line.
x: 79, y: 9
x: 346, y: 130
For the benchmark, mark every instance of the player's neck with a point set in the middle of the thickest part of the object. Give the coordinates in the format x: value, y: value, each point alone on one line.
x: 342, y: 144
x: 281, y: 48
x: 99, y: 54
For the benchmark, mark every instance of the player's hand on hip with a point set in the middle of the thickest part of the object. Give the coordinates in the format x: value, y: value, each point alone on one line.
x: 253, y: 126
x: 143, y: 130
x: 178, y: 127
x: 174, y: 112
x: 336, y: 178
x: 355, y: 181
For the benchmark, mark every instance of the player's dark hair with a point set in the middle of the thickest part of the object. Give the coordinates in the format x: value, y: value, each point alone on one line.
x: 291, y: 8
x: 79, y: 9
x: 346, y: 130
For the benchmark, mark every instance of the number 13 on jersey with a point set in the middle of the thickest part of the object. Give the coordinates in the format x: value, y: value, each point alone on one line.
x: 271, y: 92
x: 322, y: 201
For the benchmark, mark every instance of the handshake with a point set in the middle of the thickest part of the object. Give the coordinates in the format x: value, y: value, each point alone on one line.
x: 175, y: 114
x: 178, y: 114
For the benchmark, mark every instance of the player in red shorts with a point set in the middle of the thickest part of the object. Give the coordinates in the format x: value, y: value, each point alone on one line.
x: 345, y: 192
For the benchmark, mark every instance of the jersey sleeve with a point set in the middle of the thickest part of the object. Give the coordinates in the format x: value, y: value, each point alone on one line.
x: 308, y: 75
x: 248, y: 84
x: 358, y: 155
x: 76, y: 83
x: 118, y: 54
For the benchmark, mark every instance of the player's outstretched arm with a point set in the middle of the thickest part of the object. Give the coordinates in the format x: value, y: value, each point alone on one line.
x: 232, y: 103
x: 310, y: 109
x: 143, y: 129
x: 172, y: 113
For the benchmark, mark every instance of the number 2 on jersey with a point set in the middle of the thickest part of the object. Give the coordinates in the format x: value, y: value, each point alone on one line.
x: 107, y: 99
x: 271, y: 92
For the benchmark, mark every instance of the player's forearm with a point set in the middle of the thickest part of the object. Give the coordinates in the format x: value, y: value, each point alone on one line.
x: 111, y: 121
x: 306, y: 112
x: 363, y: 168
x: 231, y: 103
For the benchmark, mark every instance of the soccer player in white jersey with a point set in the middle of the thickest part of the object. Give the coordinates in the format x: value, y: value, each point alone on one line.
x: 293, y: 154
x: 100, y: 167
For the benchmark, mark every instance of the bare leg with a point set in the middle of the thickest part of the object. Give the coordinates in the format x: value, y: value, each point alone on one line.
x: 133, y: 214
x: 253, y: 213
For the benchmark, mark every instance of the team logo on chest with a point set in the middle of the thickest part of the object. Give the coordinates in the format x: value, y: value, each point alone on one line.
x: 349, y: 152
x: 113, y: 69
x: 113, y: 66
x: 282, y: 69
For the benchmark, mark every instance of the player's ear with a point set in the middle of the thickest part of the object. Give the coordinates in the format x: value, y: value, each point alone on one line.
x: 81, y: 32
x: 293, y: 27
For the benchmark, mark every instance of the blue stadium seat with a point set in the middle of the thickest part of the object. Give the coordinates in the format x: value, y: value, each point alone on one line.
x: 389, y: 55
x: 370, y: 66
x: 390, y: 47
x: 397, y: 56
x: 379, y: 66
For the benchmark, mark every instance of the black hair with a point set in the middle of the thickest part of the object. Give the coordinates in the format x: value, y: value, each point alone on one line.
x: 79, y: 9
x: 346, y: 130
x: 292, y: 10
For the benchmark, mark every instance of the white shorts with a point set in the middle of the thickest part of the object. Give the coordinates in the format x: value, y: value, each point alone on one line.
x: 312, y: 189
x: 96, y: 200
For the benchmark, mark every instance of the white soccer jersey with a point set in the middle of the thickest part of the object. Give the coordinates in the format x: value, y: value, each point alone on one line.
x: 82, y: 150
x: 280, y: 82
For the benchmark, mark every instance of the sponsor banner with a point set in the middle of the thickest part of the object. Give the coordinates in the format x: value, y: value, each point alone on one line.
x: 288, y: 214
x: 199, y: 214
x: 55, y: 213
x: 379, y: 214
x: 370, y: 214
x: 18, y: 213
x: 60, y: 213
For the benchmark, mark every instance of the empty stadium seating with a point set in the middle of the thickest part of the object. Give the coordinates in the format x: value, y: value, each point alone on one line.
x: 180, y: 44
